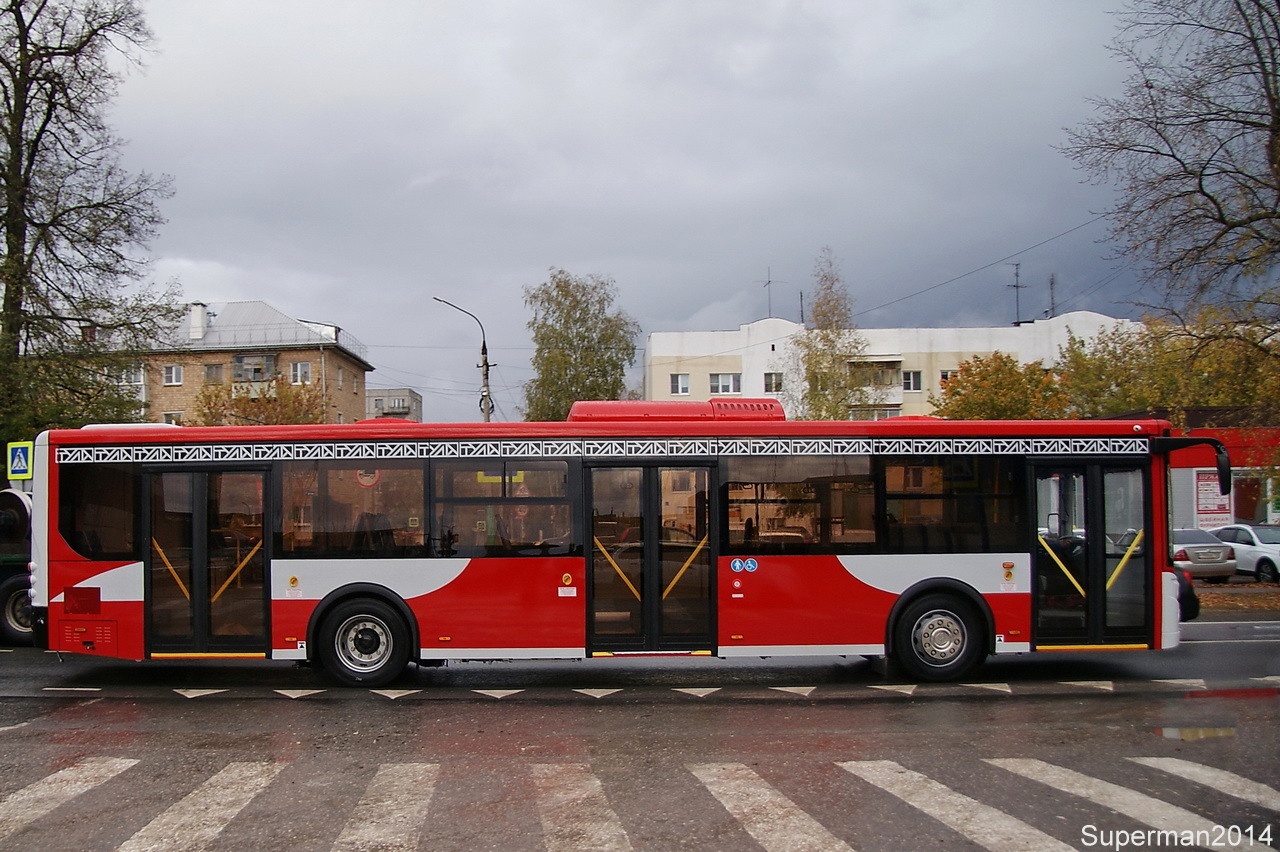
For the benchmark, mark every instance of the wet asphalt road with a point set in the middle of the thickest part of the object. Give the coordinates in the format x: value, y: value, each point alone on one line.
x: 822, y: 754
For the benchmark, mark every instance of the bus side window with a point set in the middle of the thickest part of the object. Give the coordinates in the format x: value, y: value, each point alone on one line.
x: 97, y: 514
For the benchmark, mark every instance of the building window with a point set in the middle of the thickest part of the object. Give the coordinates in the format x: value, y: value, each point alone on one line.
x: 213, y: 374
x: 885, y: 376
x: 300, y: 373
x: 871, y: 412
x: 339, y: 378
x: 377, y: 404
x: 131, y: 376
x: 173, y: 374
x: 679, y: 384
x: 946, y: 376
x: 912, y: 380
x: 253, y: 368
x: 726, y: 383
x: 174, y: 417
x: 773, y: 383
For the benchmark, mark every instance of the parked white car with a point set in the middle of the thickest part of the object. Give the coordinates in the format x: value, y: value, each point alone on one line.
x: 1257, y: 549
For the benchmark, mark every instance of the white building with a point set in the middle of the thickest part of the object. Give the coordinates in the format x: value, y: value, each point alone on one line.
x: 756, y: 360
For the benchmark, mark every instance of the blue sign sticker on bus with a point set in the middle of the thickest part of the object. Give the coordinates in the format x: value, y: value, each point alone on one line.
x: 736, y: 565
x: 751, y: 565
x: 20, y: 459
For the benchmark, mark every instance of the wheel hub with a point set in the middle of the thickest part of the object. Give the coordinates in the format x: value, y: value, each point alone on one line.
x: 939, y: 636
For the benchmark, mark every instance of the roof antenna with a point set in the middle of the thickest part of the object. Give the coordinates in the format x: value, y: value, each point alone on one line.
x: 768, y: 285
x: 1017, y: 287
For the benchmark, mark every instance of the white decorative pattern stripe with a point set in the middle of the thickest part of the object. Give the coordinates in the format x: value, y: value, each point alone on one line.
x: 600, y: 448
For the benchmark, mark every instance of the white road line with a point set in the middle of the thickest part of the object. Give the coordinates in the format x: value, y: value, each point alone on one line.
x: 198, y: 819
x: 393, y: 809
x: 771, y: 818
x: 1138, y: 806
x: 1218, y: 779
x: 979, y: 823
x: 574, y: 811
x: 27, y: 805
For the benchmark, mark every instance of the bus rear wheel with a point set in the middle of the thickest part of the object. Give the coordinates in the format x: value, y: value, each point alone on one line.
x: 363, y: 642
x: 938, y: 638
x: 15, y: 610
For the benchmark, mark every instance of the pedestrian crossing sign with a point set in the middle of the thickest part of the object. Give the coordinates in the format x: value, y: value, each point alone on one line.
x: 20, y: 459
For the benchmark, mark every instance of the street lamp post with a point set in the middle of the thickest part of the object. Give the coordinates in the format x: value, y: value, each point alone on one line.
x: 486, y: 401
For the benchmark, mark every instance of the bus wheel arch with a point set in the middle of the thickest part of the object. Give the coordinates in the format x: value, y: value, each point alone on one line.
x: 939, y: 630
x: 363, y: 635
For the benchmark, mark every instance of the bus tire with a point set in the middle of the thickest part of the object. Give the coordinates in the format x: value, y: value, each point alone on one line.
x: 363, y: 642
x: 938, y: 637
x: 15, y: 617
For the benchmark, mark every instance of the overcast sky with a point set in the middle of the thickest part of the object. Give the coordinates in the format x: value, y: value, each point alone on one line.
x: 348, y: 161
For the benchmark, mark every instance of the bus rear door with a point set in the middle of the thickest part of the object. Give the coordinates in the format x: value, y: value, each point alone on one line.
x: 205, y: 565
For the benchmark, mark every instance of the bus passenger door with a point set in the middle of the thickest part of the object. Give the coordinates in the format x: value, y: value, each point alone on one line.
x: 1091, y: 563
x: 205, y: 562
x: 651, y: 558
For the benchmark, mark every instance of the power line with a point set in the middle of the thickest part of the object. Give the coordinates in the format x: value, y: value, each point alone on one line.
x: 986, y: 266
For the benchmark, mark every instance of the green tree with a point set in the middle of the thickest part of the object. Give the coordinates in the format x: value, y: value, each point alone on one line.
x: 1193, y: 145
x: 583, y: 344
x: 250, y: 403
x: 836, y: 384
x: 997, y: 387
x: 74, y: 225
x: 1170, y: 367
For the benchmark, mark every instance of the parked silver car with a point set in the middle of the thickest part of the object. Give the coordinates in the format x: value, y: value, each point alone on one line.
x: 1205, y: 556
x: 1257, y: 549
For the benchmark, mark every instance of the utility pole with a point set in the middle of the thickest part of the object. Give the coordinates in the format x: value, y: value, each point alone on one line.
x: 1017, y: 286
x: 1053, y: 307
x: 486, y: 400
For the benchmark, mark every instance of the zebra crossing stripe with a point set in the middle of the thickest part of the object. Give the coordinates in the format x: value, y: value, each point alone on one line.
x: 23, y: 807
x: 1218, y: 779
x: 393, y: 809
x: 1138, y: 806
x: 574, y: 811
x: 773, y: 820
x: 197, y: 820
x: 981, y: 824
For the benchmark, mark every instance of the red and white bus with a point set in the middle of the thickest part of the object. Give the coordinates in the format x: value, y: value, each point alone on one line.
x: 705, y: 529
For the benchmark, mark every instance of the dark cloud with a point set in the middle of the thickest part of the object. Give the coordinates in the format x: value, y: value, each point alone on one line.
x: 347, y: 162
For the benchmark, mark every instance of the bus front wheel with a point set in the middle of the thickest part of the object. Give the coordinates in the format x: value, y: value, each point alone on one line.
x: 938, y: 638
x: 363, y: 642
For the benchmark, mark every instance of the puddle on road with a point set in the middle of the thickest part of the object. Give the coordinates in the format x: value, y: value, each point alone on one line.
x: 1192, y: 734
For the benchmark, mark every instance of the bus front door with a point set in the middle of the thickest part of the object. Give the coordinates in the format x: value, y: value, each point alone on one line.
x: 651, y: 557
x: 205, y: 562
x: 1092, y: 574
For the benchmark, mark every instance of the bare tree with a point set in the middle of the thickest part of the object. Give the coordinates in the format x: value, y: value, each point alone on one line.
x: 75, y: 225
x: 1193, y: 145
x: 835, y: 383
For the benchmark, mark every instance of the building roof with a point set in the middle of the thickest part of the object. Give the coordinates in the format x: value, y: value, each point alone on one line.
x: 225, y: 326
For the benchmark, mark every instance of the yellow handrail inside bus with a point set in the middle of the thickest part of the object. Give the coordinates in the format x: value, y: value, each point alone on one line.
x: 1137, y: 539
x: 1058, y: 562
x: 609, y: 559
x: 176, y: 578
x: 236, y: 572
x: 684, y: 567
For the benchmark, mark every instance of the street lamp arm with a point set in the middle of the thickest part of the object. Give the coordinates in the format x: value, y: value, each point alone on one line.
x: 486, y: 399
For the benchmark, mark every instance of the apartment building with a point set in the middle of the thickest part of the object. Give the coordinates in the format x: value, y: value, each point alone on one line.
x: 404, y: 403
x: 250, y: 343
x: 757, y: 359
